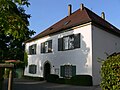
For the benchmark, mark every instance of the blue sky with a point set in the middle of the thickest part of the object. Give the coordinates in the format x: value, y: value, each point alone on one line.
x: 45, y: 13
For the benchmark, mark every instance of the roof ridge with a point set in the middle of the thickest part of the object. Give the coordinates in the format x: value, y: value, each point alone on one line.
x: 88, y: 10
x: 76, y: 18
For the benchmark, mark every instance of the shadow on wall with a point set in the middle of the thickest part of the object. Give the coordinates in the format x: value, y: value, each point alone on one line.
x: 85, y: 54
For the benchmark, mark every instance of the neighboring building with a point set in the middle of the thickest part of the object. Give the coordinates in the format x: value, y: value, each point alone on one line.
x: 77, y: 40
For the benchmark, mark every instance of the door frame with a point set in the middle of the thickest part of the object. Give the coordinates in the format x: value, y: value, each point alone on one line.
x: 47, y: 69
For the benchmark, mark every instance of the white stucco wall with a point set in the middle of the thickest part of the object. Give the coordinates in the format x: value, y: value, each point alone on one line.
x: 103, y: 42
x: 81, y: 57
x: 94, y: 43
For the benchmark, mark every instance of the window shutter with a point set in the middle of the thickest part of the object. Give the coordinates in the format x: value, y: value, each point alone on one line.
x: 34, y: 48
x: 42, y: 47
x: 77, y: 40
x: 29, y: 50
x: 60, y: 44
x: 62, y: 71
x: 73, y: 70
x: 50, y: 46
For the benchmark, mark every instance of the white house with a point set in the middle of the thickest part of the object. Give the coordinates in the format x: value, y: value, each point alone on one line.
x: 78, y: 40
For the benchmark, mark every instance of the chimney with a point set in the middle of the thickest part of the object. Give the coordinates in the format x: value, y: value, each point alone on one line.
x: 103, y: 15
x: 69, y: 9
x: 81, y: 6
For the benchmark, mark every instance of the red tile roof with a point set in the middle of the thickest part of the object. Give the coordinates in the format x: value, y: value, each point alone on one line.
x: 79, y: 17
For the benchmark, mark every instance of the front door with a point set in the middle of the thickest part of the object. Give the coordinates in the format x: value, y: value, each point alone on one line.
x: 46, y: 70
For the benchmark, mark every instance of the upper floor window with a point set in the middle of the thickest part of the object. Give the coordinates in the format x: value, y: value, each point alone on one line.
x: 69, y: 42
x: 46, y: 47
x: 32, y: 49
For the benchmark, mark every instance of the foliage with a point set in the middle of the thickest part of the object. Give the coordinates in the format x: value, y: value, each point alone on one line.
x: 13, y: 29
x: 52, y: 78
x: 81, y: 80
x: 25, y: 58
x: 33, y: 78
x: 110, y: 73
x: 6, y: 74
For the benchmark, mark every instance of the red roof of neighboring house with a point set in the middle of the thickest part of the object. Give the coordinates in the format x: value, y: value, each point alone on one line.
x: 79, y: 17
x: 11, y: 61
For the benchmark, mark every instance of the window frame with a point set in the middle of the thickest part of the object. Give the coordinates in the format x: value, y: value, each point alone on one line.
x: 32, y: 69
x: 32, y: 51
x: 67, y: 71
x: 49, y: 47
x: 61, y: 45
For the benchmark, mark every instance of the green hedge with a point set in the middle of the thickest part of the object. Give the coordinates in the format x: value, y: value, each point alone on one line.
x: 81, y: 80
x: 33, y: 78
x: 52, y: 78
x: 110, y: 73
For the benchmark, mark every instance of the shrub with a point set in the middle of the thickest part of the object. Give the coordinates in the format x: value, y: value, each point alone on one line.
x: 110, y: 73
x: 82, y: 80
x: 33, y: 78
x: 52, y: 78
x: 25, y: 59
x: 61, y: 81
x: 6, y: 74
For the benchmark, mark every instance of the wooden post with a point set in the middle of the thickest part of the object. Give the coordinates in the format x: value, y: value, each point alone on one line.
x: 10, y: 66
x: 10, y: 82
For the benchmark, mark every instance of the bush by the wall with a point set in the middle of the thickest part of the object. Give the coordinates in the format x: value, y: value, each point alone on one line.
x: 61, y: 81
x: 110, y: 73
x: 82, y: 80
x: 33, y: 78
x: 52, y: 78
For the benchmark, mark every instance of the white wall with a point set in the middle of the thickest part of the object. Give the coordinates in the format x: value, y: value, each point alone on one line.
x: 103, y: 42
x: 81, y: 57
x: 94, y: 44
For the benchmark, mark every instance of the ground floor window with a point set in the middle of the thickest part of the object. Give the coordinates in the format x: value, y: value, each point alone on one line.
x: 32, y: 69
x: 67, y: 71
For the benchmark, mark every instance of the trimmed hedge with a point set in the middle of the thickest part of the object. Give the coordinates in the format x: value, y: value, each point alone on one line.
x: 33, y: 78
x: 52, y: 78
x: 81, y: 80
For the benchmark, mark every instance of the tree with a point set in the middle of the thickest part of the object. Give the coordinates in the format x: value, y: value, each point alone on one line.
x: 13, y: 29
x: 110, y: 73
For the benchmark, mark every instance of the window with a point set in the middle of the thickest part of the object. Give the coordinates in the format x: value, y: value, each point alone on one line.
x: 67, y: 71
x: 69, y: 42
x: 46, y: 47
x: 32, y: 49
x: 32, y: 69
